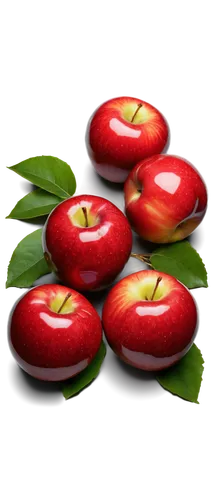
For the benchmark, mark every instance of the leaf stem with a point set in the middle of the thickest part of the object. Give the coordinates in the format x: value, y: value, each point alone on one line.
x: 143, y: 258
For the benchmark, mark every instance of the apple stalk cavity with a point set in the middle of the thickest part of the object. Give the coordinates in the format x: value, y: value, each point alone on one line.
x: 64, y: 302
x: 156, y: 287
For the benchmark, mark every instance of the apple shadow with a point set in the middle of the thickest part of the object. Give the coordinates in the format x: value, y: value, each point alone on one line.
x: 36, y: 221
x: 130, y: 379
x: 97, y: 299
x: 95, y: 184
x: 27, y: 186
x: 197, y: 238
x: 143, y: 246
x: 117, y: 381
x: 33, y: 389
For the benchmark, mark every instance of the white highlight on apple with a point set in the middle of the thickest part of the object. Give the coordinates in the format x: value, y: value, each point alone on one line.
x: 38, y: 301
x: 151, y: 310
x: 194, y: 214
x: 168, y: 181
x: 55, y: 322
x: 123, y: 130
x: 83, y: 311
x: 195, y: 167
x: 87, y: 236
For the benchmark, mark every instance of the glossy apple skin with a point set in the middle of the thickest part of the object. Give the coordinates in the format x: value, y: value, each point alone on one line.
x: 51, y: 346
x: 115, y: 145
x: 171, y: 201
x: 149, y: 335
x: 87, y: 258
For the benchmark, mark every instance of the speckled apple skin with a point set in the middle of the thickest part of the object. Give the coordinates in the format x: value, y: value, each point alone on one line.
x: 172, y: 200
x: 149, y: 335
x: 87, y: 258
x: 51, y: 346
x: 115, y: 145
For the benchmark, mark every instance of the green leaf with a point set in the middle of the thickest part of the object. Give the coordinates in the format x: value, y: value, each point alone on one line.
x: 73, y: 386
x: 184, y: 378
x: 27, y: 262
x: 34, y: 204
x: 49, y: 173
x: 181, y: 261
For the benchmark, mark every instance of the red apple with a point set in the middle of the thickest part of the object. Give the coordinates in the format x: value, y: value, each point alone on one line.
x: 150, y: 319
x: 165, y: 198
x: 54, y: 332
x: 122, y: 132
x: 88, y: 241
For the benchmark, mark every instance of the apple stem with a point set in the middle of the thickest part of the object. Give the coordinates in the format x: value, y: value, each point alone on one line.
x: 84, y: 209
x: 156, y: 286
x: 64, y: 302
x: 136, y: 111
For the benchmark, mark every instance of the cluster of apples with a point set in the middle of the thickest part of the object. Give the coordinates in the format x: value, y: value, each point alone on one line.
x: 149, y: 318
